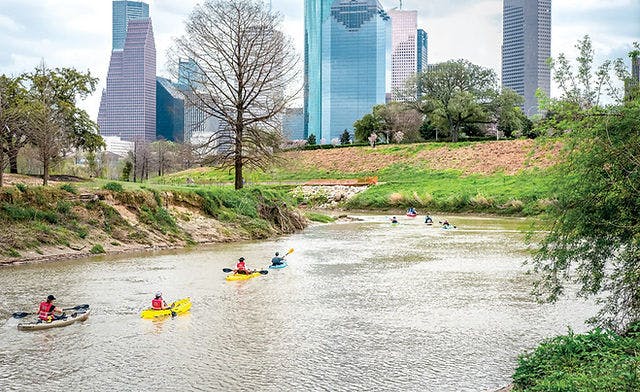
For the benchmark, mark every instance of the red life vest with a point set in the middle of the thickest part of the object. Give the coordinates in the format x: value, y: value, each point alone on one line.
x: 241, y: 266
x: 157, y: 303
x: 46, y: 310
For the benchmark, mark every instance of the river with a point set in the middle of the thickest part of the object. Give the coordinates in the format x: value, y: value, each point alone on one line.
x: 363, y: 306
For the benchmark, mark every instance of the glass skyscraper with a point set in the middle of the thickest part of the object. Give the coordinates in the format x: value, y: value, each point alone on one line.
x: 423, y: 50
x: 169, y: 111
x: 123, y: 12
x: 128, y: 106
x: 347, y: 52
x: 526, y: 46
x: 404, y: 46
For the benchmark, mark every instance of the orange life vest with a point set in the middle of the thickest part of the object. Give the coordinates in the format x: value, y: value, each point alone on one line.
x: 157, y: 303
x: 46, y: 310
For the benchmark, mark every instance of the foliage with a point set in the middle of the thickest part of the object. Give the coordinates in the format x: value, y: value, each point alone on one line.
x: 69, y: 188
x: 455, y: 94
x: 345, y: 138
x: 596, y: 361
x: 312, y: 140
x: 113, y: 186
x: 13, y: 118
x: 509, y: 116
x: 369, y: 124
x: 126, y: 171
x: 594, y: 239
x: 321, y: 218
x: 97, y: 249
x: 241, y: 64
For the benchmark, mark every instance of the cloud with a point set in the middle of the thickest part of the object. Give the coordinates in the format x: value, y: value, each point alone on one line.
x: 77, y: 33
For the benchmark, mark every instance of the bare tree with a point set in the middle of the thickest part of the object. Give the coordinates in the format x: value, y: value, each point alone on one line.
x: 244, y: 67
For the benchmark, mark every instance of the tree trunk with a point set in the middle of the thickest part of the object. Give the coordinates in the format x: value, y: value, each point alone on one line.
x: 239, y: 183
x: 1, y: 167
x: 13, y: 160
x: 45, y: 176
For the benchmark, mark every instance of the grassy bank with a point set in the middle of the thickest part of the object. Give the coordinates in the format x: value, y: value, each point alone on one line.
x: 506, y: 177
x: 596, y: 361
x: 117, y: 216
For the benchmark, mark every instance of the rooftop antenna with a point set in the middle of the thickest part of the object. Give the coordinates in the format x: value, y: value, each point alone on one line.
x: 400, y: 5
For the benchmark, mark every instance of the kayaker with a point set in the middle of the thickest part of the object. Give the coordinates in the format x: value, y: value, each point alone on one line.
x: 47, y: 311
x: 277, y: 260
x: 241, y: 267
x: 394, y: 220
x: 158, y: 303
x: 428, y: 219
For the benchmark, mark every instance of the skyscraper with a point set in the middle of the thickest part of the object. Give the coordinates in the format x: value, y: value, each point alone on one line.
x: 526, y: 47
x: 169, y: 111
x: 404, y: 50
x: 123, y: 12
x: 346, y: 44
x: 128, y: 106
x: 423, y: 50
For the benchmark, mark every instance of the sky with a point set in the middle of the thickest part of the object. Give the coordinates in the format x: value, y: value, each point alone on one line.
x: 77, y: 33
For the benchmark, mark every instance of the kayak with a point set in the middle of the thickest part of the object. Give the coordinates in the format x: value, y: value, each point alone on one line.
x: 80, y: 315
x: 178, y: 307
x: 450, y: 227
x: 284, y: 264
x: 412, y: 215
x: 242, y: 276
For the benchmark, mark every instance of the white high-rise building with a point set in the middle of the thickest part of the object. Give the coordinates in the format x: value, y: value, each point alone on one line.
x: 404, y: 48
x: 526, y: 47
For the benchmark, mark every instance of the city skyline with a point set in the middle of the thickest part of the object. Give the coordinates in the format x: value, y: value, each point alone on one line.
x: 32, y: 31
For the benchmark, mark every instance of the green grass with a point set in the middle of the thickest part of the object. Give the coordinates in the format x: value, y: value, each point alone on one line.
x: 97, y: 249
x: 317, y: 217
x: 596, y: 361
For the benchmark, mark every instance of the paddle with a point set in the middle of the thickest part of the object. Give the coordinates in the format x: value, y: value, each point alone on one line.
x: 285, y: 255
x: 227, y: 270
x: 18, y: 315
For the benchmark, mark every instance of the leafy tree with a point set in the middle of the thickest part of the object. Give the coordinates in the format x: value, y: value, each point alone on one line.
x: 243, y: 65
x: 126, y: 170
x: 594, y: 240
x: 311, y: 140
x: 56, y: 124
x: 12, y: 118
x: 508, y: 114
x: 368, y: 124
x: 455, y: 94
x: 345, y: 138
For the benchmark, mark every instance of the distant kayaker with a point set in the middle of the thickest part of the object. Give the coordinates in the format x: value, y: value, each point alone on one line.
x: 241, y: 267
x: 47, y: 310
x: 158, y: 303
x: 412, y: 211
x: 394, y: 220
x: 277, y: 260
x: 428, y: 220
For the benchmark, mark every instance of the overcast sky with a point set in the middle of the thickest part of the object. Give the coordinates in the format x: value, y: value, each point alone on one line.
x: 77, y: 33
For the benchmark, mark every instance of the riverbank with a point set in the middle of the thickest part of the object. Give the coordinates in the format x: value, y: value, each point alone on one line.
x: 67, y: 221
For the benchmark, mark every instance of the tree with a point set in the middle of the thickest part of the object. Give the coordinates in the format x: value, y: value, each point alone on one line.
x: 455, y: 94
x: 311, y: 140
x: 243, y: 69
x: 368, y: 124
x: 12, y: 117
x: 508, y: 114
x: 345, y: 138
x: 585, y: 88
x: 594, y: 238
x: 56, y: 124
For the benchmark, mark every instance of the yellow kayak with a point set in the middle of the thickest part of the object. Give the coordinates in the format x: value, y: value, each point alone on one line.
x: 242, y: 276
x: 178, y: 307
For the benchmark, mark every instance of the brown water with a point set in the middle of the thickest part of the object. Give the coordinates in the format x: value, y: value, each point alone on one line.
x: 363, y: 306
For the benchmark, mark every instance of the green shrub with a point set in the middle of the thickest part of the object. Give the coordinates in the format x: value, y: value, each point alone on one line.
x: 64, y: 207
x: 322, y: 218
x: 69, y: 188
x: 22, y: 187
x: 596, y: 361
x: 97, y: 249
x: 113, y: 186
x: 12, y: 253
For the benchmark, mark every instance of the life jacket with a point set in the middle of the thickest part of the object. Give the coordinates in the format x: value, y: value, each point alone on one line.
x: 241, y: 266
x: 46, y: 310
x: 157, y: 303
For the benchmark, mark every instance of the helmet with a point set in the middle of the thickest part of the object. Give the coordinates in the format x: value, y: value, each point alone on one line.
x: 241, y: 259
x: 50, y: 297
x: 158, y: 294
x: 277, y: 253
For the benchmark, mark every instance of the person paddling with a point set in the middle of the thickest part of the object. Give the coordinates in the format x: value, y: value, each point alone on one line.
x: 428, y: 220
x: 158, y: 303
x: 394, y: 220
x: 47, y: 311
x: 241, y: 267
x: 278, y: 260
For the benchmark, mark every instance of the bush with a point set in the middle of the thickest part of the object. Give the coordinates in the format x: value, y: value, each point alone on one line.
x: 596, y: 361
x: 22, y: 187
x: 321, y: 218
x: 97, y: 249
x: 113, y: 186
x: 69, y: 188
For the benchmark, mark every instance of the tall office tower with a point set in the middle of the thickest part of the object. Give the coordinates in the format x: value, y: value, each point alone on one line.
x: 123, y: 12
x: 526, y: 47
x: 423, y: 49
x: 635, y: 68
x: 404, y: 50
x: 128, y: 106
x: 169, y: 111
x: 345, y: 63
